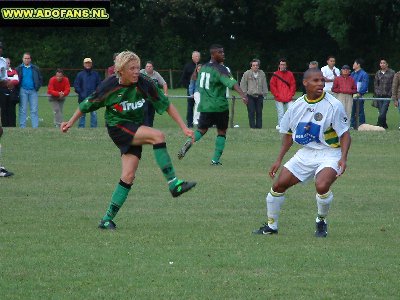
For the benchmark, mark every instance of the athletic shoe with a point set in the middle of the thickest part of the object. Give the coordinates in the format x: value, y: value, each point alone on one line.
x: 182, y: 187
x: 107, y: 225
x: 321, y: 229
x: 215, y: 163
x: 185, y: 148
x: 265, y: 229
x: 5, y: 173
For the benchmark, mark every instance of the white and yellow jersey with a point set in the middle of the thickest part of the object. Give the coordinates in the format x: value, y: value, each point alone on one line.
x: 316, y: 124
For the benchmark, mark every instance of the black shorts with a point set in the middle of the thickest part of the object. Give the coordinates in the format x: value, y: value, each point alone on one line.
x: 219, y: 119
x: 122, y: 136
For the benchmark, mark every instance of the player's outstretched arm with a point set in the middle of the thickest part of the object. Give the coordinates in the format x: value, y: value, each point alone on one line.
x: 287, y: 142
x: 174, y: 114
x: 67, y: 125
x: 345, y: 141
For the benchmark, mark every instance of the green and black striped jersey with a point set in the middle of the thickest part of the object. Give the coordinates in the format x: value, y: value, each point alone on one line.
x: 125, y: 103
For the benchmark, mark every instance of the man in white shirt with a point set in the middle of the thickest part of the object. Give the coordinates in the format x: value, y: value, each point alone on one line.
x: 319, y: 123
x: 330, y: 72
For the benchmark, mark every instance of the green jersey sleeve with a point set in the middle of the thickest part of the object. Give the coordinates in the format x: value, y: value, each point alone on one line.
x: 225, y: 77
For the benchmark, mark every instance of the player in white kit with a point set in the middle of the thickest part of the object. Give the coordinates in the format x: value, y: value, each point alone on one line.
x: 319, y: 123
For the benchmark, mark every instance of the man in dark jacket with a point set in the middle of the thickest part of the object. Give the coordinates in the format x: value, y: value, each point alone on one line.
x: 85, y: 84
x: 185, y: 80
x: 30, y: 82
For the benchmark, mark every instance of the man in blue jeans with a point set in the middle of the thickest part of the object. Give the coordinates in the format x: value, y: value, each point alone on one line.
x: 85, y: 84
x: 361, y: 79
x: 30, y: 82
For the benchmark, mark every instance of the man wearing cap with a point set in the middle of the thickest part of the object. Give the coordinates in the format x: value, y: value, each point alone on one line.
x: 85, y: 84
x: 344, y: 87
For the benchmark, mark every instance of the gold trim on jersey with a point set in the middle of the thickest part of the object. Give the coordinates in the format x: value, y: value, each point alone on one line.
x: 331, y: 138
x: 310, y: 101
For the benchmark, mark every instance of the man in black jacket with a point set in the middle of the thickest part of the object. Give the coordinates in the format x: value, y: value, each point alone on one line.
x: 187, y: 72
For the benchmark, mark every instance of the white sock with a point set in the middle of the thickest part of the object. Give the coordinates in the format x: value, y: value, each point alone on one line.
x: 274, y: 202
x: 323, y: 203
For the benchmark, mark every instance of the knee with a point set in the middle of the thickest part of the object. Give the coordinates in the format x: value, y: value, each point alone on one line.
x: 322, y: 187
x: 279, y: 188
x: 158, y: 137
x: 128, y: 177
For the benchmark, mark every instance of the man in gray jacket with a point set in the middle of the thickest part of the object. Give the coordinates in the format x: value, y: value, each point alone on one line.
x: 254, y: 84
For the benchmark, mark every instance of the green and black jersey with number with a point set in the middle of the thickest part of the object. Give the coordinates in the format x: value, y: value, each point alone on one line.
x: 124, y: 103
x: 212, y: 80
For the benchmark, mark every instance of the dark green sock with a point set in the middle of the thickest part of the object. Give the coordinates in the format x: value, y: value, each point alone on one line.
x: 197, y: 135
x: 164, y: 162
x: 219, y: 147
x: 117, y: 200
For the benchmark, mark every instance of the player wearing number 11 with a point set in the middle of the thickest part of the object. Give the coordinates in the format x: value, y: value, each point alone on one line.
x: 212, y: 80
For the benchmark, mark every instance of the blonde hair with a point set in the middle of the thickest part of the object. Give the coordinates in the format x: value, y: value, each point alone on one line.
x: 123, y: 59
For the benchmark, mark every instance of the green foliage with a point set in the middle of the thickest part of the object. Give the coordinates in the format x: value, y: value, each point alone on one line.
x: 166, y: 32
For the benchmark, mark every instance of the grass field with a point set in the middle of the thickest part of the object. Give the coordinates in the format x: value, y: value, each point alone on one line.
x: 198, y: 246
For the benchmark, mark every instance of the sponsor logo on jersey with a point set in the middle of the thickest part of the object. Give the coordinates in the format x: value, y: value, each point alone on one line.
x: 127, y: 106
x: 307, y: 133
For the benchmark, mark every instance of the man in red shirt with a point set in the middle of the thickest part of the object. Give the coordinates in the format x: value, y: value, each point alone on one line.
x: 58, y: 88
x: 283, y: 87
x: 344, y: 87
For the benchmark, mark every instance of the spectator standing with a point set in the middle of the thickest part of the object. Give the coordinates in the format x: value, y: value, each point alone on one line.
x: 317, y: 122
x: 187, y: 72
x: 344, y: 87
x: 254, y: 84
x: 361, y: 79
x: 30, y: 80
x: 148, y: 108
x: 194, y: 92
x: 283, y: 87
x: 85, y: 84
x: 383, y: 89
x: 58, y: 88
x: 110, y: 70
x: 396, y: 91
x: 213, y: 80
x: 330, y: 72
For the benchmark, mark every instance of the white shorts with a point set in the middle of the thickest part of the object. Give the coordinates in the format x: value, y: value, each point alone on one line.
x: 307, y: 163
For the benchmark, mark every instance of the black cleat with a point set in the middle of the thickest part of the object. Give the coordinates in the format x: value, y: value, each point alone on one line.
x: 182, y: 187
x: 215, y: 163
x: 185, y: 148
x: 321, y: 229
x: 107, y: 225
x: 265, y: 229
x: 5, y: 173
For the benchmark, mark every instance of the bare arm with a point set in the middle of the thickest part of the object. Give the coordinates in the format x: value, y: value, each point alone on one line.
x: 174, y: 114
x: 345, y: 141
x: 287, y: 142
x: 165, y: 89
x: 67, y: 125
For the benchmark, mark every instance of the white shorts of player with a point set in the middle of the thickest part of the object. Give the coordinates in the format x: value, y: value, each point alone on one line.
x: 307, y: 163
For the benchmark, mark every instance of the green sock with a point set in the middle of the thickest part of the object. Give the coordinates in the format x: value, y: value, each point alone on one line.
x: 117, y: 200
x: 164, y: 162
x: 197, y: 135
x: 219, y: 147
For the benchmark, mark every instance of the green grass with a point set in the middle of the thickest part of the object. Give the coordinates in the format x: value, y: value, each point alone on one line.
x: 198, y: 246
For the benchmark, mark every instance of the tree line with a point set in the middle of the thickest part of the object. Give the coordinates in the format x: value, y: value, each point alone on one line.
x: 166, y: 32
